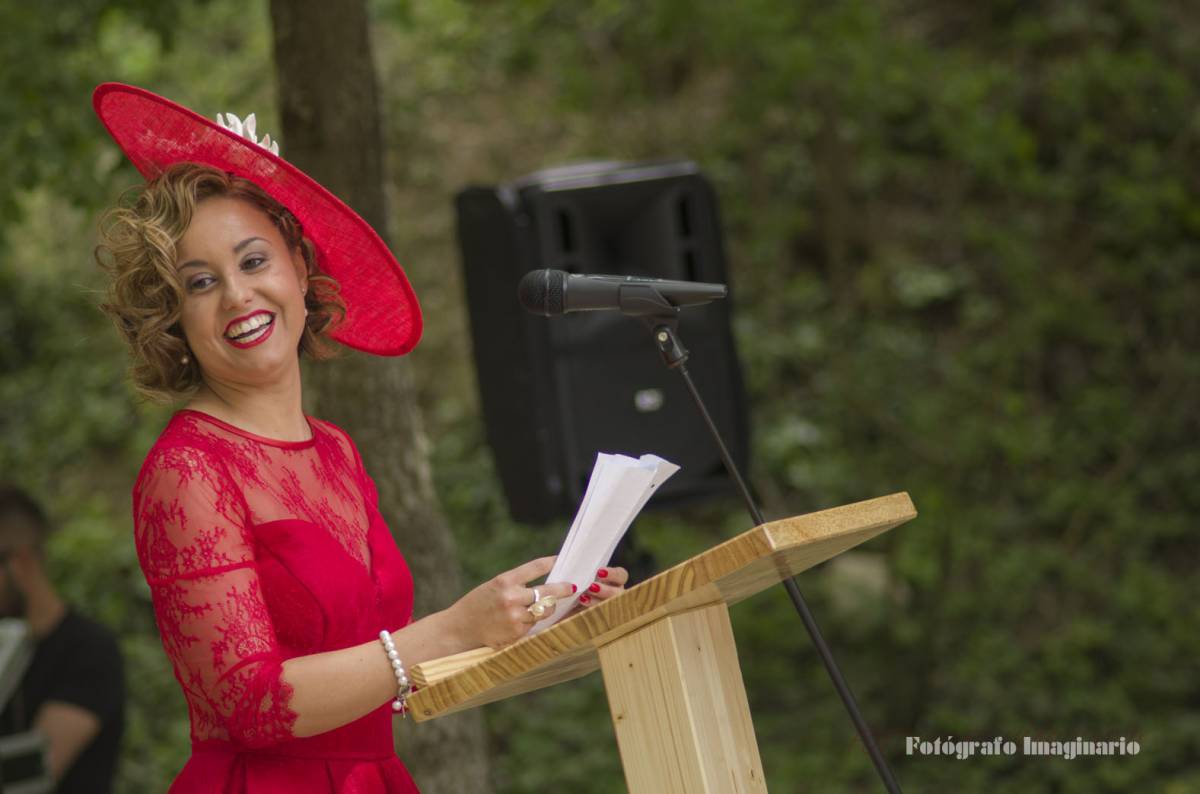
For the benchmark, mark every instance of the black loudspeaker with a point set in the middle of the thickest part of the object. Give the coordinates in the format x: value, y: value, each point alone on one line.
x: 555, y: 391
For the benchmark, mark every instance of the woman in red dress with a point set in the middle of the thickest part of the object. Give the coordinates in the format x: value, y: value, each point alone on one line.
x: 281, y: 598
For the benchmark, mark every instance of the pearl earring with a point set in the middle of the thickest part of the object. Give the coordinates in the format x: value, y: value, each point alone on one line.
x: 184, y: 361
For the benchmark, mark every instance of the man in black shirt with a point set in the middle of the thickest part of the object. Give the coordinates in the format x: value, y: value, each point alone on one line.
x: 73, y: 692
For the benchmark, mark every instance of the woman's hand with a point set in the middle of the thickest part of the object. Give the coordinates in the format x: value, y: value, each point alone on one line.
x: 608, y: 583
x: 496, y: 613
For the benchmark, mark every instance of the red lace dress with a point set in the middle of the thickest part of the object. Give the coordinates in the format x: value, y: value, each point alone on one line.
x: 257, y: 551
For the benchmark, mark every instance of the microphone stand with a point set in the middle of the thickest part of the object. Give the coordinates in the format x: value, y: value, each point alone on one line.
x: 663, y: 320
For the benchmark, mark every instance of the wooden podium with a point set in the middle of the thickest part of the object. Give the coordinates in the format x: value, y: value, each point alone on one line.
x: 667, y: 654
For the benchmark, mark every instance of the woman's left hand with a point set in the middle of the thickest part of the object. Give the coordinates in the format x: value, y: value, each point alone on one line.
x: 608, y: 583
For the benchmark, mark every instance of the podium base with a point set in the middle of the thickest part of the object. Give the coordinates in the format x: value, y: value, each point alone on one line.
x: 679, y: 707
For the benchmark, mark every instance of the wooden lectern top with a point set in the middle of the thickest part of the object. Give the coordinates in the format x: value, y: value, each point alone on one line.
x: 728, y: 572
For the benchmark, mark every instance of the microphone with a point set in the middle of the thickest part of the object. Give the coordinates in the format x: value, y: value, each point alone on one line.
x: 555, y: 292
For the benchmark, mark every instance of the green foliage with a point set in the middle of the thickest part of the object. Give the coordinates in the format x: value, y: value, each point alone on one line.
x: 969, y: 234
x: 49, y: 62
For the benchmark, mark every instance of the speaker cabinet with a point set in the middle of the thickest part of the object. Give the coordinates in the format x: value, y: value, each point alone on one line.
x: 557, y: 390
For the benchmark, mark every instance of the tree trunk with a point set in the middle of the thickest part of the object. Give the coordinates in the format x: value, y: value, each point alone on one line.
x: 329, y: 106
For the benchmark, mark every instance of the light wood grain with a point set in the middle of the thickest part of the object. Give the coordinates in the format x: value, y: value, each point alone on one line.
x: 426, y: 673
x: 726, y: 573
x: 679, y: 707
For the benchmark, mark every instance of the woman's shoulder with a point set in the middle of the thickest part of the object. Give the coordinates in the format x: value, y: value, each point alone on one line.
x: 331, y: 436
x: 185, y: 444
x: 185, y: 432
x: 329, y: 428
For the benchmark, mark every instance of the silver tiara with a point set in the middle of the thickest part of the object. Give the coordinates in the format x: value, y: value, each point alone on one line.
x: 245, y: 128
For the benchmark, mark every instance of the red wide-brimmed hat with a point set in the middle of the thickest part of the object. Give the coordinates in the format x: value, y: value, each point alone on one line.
x: 382, y: 313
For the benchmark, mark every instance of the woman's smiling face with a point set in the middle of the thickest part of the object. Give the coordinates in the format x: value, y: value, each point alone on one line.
x: 243, y: 301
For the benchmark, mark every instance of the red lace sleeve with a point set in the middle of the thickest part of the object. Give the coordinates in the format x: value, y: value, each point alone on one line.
x: 196, y: 552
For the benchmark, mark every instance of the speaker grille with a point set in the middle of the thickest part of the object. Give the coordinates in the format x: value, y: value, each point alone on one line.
x: 555, y: 392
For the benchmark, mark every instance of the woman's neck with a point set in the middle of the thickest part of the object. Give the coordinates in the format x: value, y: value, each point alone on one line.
x: 274, y: 411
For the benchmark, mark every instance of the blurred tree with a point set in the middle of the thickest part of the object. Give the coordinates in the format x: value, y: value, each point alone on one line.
x: 332, y: 127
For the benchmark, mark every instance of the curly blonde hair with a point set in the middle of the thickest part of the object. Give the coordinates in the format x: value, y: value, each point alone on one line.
x: 137, y: 249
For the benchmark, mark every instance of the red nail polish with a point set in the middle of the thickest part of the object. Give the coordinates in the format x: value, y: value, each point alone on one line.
x: 595, y: 588
x: 574, y: 589
x: 602, y: 573
x: 583, y: 599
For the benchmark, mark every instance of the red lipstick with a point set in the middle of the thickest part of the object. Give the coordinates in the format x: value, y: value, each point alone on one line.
x: 255, y: 337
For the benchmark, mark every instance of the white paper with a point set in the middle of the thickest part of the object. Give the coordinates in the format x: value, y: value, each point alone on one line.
x: 618, y: 489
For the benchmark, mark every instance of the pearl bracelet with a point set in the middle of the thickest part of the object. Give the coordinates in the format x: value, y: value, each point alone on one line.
x: 403, y: 687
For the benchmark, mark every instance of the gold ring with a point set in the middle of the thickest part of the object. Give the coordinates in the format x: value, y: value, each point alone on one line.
x: 543, y: 605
